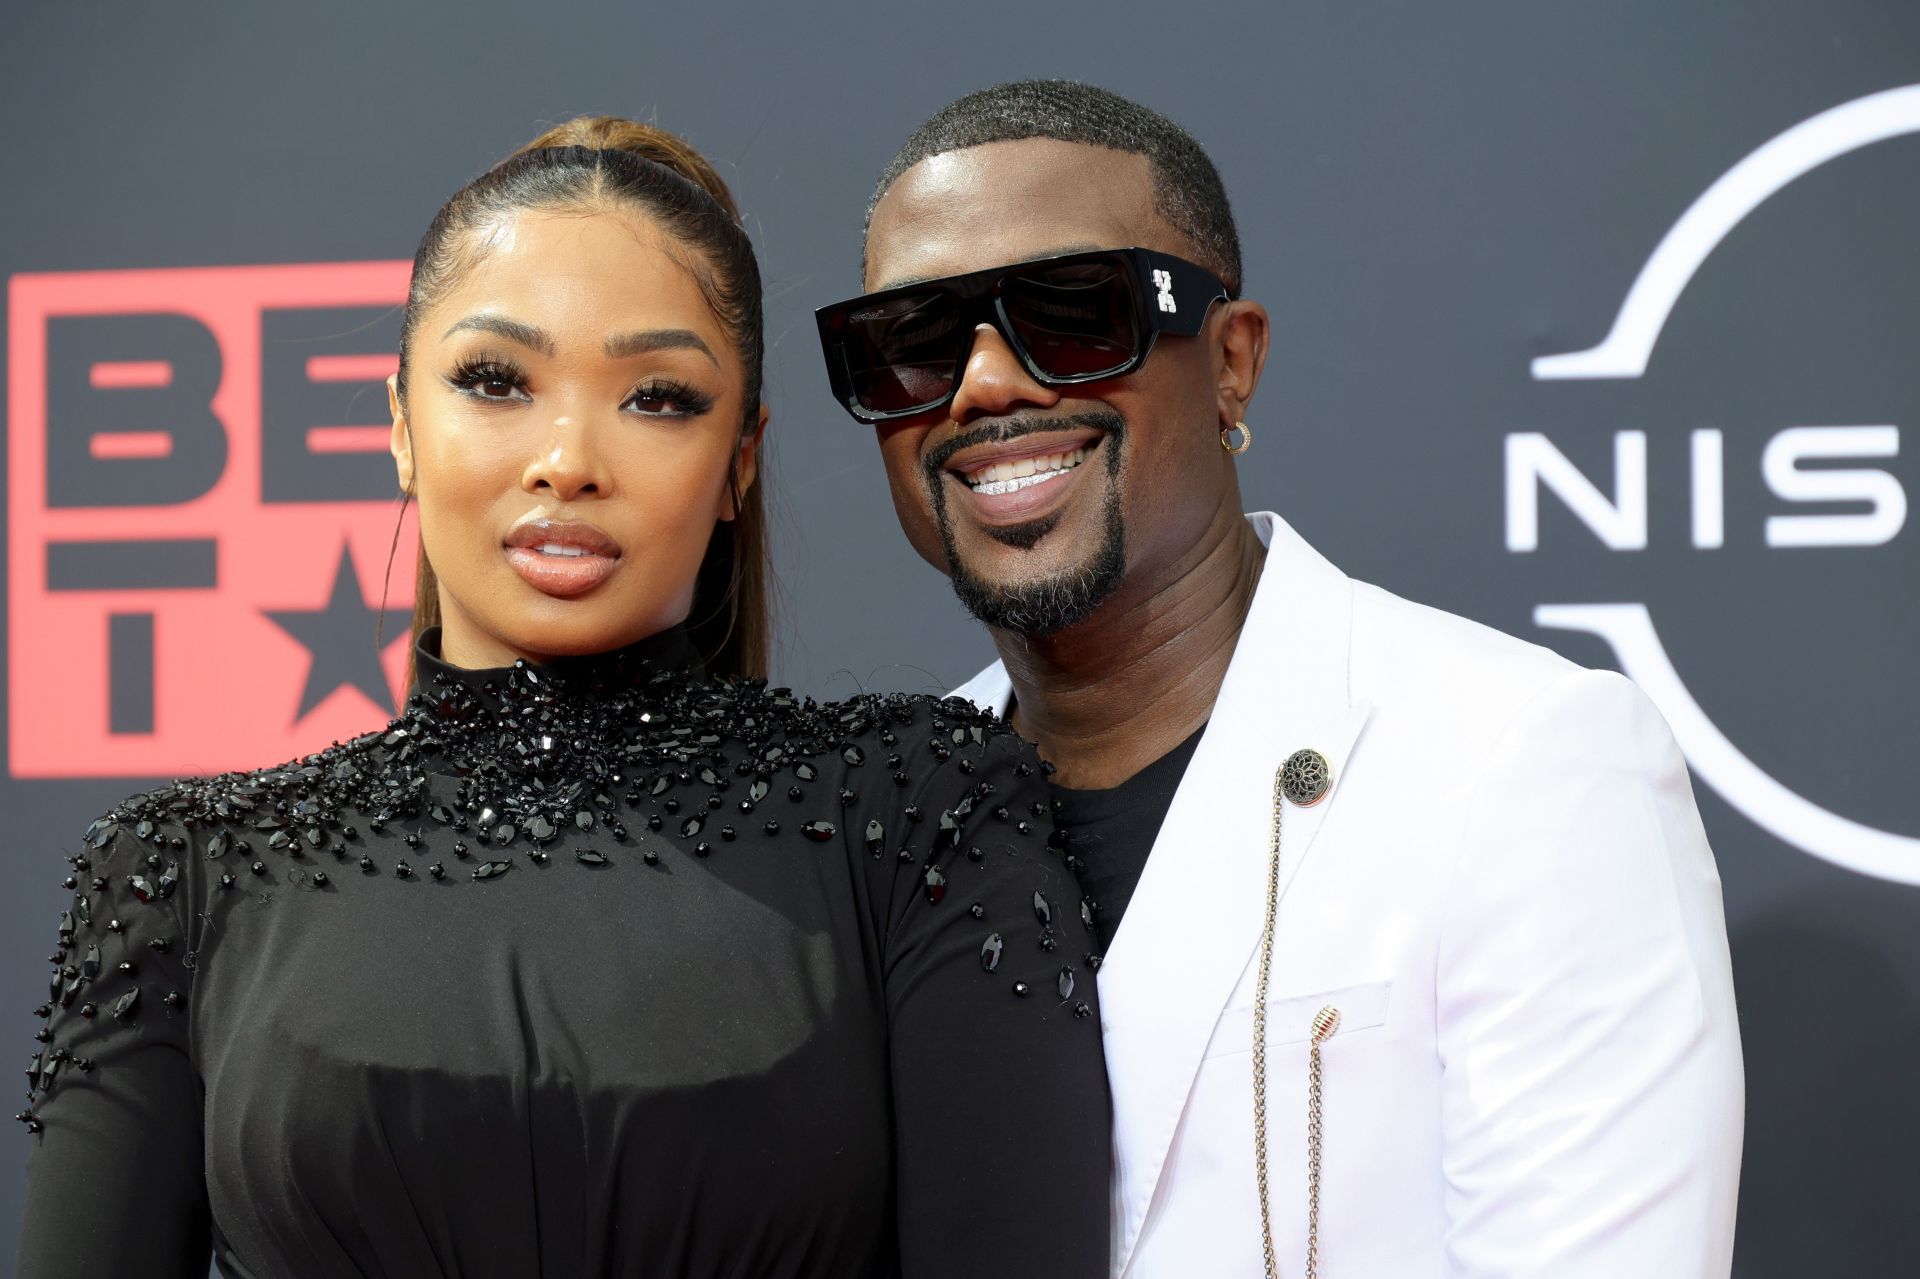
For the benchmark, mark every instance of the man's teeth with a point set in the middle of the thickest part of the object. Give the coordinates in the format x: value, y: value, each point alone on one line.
x: 1010, y: 477
x: 556, y: 548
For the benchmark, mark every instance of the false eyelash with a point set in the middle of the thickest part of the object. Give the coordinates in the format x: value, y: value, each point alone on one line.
x: 690, y: 401
x: 468, y: 374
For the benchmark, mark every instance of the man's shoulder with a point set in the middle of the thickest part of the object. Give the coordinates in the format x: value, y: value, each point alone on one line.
x: 1406, y: 651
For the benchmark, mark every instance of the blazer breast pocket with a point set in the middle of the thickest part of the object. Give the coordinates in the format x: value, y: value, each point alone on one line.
x: 1290, y: 1018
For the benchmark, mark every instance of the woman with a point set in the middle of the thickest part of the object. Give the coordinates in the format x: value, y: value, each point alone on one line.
x: 592, y: 962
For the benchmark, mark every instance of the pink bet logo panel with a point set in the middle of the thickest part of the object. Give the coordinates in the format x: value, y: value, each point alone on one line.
x: 199, y: 511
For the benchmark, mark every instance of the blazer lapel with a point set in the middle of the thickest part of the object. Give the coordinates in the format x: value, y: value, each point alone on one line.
x: 1194, y: 923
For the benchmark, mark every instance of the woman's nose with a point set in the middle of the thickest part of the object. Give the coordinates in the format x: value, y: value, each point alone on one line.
x: 568, y: 464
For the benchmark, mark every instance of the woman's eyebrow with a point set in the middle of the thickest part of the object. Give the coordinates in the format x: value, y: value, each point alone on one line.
x: 526, y: 335
x: 622, y: 345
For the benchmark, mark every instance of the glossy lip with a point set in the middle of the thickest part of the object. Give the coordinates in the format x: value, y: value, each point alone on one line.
x: 1023, y: 505
x: 561, y: 577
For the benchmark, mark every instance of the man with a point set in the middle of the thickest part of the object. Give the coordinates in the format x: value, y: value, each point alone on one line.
x: 1460, y: 882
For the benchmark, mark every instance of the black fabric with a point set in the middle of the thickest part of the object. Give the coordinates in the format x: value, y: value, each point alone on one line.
x: 1111, y: 832
x: 812, y: 1025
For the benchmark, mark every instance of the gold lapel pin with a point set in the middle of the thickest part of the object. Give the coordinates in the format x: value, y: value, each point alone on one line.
x: 1306, y: 777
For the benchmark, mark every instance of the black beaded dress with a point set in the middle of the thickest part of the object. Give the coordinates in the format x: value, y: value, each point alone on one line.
x: 595, y: 968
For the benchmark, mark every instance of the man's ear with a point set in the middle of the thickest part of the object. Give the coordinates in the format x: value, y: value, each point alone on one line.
x: 746, y: 463
x: 400, y: 442
x: 1241, y: 354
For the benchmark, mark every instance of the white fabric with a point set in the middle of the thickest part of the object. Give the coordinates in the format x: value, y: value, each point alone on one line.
x: 1509, y: 896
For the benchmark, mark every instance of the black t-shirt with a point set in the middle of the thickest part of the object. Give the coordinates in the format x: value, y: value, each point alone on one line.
x: 1111, y: 832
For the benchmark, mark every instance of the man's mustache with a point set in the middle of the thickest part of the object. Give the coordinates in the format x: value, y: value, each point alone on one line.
x: 1007, y: 429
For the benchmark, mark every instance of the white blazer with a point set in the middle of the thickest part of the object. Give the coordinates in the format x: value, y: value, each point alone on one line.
x: 1508, y: 895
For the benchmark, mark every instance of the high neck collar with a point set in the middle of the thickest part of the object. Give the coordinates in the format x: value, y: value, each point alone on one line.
x: 665, y: 651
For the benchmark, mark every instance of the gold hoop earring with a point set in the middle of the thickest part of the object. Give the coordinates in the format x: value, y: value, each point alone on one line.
x: 1246, y: 438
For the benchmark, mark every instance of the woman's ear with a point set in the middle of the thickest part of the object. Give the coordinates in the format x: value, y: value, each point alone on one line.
x: 746, y: 464
x: 400, y: 442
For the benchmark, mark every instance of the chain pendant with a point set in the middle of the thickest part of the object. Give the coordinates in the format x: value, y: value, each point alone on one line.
x: 1287, y: 783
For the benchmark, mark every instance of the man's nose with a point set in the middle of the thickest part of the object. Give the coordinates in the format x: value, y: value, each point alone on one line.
x: 995, y: 382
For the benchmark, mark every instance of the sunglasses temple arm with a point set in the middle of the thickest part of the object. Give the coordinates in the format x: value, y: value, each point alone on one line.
x: 1192, y: 294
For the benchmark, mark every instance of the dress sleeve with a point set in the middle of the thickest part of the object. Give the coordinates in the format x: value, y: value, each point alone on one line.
x: 114, y: 1177
x: 1001, y: 1110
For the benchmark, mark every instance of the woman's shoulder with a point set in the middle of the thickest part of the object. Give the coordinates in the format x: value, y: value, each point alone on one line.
x: 219, y: 812
x: 932, y: 730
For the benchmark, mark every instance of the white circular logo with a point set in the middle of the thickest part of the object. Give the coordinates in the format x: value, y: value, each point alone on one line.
x: 1620, y: 521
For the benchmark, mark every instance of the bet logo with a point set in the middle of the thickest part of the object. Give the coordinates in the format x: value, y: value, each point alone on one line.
x: 1805, y: 468
x: 200, y: 505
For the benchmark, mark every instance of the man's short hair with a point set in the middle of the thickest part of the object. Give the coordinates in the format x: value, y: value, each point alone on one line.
x: 1187, y: 190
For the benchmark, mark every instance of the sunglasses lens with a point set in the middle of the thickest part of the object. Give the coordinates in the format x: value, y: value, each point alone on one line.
x: 1075, y: 321
x: 902, y: 353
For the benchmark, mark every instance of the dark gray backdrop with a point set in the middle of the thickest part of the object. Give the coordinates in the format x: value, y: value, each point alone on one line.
x: 1430, y: 197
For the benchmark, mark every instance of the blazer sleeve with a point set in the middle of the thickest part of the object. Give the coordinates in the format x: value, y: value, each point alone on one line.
x: 114, y: 1178
x: 1592, y: 1101
x: 1000, y: 1105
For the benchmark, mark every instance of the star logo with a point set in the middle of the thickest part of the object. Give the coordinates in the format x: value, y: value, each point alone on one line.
x: 340, y: 643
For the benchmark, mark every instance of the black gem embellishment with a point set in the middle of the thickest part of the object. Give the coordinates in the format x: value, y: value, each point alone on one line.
x: 1065, y: 983
x: 590, y: 857
x: 819, y: 832
x: 936, y: 884
x: 492, y: 870
x: 977, y: 910
x: 990, y: 951
x: 1042, y: 908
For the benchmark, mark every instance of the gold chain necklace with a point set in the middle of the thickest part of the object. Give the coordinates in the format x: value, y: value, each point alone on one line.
x: 1305, y: 778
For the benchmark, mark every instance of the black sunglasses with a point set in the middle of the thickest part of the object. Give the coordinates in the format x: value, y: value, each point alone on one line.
x: 1073, y: 318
